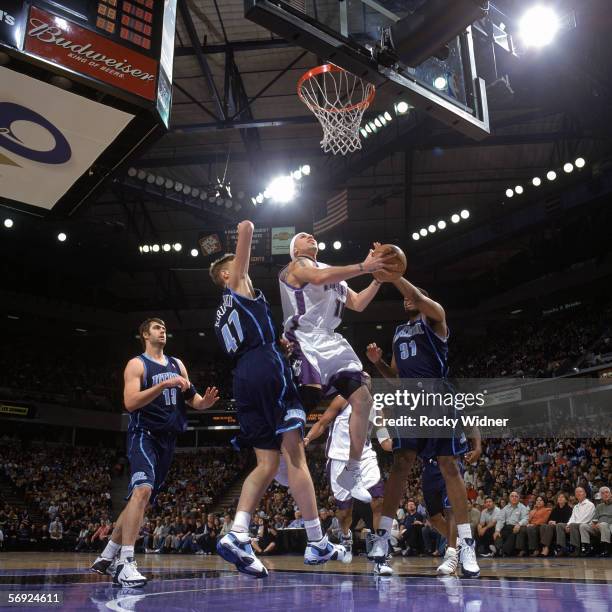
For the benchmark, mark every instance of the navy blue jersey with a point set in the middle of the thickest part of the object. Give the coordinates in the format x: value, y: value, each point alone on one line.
x: 419, y: 352
x: 167, y: 412
x: 243, y: 324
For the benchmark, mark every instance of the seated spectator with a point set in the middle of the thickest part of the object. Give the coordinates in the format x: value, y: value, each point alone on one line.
x: 511, y: 518
x: 1, y: 539
x: 561, y: 513
x: 582, y: 513
x: 266, y: 541
x: 297, y: 522
x: 84, y: 539
x: 599, y: 525
x: 486, y: 528
x: 411, y: 540
x: 100, y: 537
x: 528, y: 537
x: 227, y: 525
x: 56, y: 534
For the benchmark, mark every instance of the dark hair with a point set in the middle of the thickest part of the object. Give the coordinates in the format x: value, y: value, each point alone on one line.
x: 218, y: 265
x: 144, y: 328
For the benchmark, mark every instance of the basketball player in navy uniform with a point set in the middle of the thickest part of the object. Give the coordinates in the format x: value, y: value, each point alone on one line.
x: 314, y: 296
x: 270, y: 413
x: 420, y: 351
x: 156, y: 389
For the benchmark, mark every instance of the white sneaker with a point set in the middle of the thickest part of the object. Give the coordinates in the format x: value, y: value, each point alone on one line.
x: 467, y: 558
x: 448, y: 566
x: 380, y: 548
x: 347, y: 543
x: 320, y: 552
x: 241, y: 555
x: 383, y: 569
x: 105, y: 566
x: 351, y: 481
x: 127, y: 575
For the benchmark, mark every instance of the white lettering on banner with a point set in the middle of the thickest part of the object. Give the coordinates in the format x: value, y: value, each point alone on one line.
x: 50, y: 34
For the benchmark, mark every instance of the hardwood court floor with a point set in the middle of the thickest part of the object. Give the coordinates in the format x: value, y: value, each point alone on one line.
x: 189, y: 582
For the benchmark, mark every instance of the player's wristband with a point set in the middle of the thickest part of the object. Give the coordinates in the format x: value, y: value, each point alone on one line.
x: 190, y: 392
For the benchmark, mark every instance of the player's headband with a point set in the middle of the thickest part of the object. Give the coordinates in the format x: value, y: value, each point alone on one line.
x: 292, y: 247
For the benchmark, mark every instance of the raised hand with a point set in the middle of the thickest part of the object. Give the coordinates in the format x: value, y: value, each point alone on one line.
x: 210, y: 398
x: 374, y: 353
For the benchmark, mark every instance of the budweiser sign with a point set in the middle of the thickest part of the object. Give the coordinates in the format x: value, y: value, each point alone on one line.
x: 69, y: 45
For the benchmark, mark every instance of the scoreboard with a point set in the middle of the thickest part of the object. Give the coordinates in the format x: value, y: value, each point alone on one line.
x: 65, y: 54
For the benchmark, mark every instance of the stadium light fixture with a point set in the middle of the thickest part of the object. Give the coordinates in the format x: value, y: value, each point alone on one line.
x: 509, y: 193
x: 567, y: 168
x: 551, y: 175
x: 166, y: 247
x: 416, y: 236
x: 518, y: 190
x: 364, y: 133
x: 367, y: 128
x: 155, y: 248
x: 145, y: 248
x: 169, y: 183
x: 382, y: 119
x: 441, y: 224
x: 539, y: 26
x: 259, y: 198
x: 178, y: 187
x: 282, y: 189
x: 142, y: 175
x: 305, y: 169
x: 579, y: 163
x: 132, y: 172
x: 465, y: 214
x: 322, y: 246
x: 536, y: 181
x: 159, y: 180
x: 297, y: 175
x: 177, y: 246
x: 378, y: 123
x: 455, y: 218
x: 388, y: 116
x: 254, y: 200
x: 337, y: 245
x: 151, y: 178
x: 423, y: 232
x: 62, y: 237
x: 432, y: 229
x: 8, y: 223
x: 440, y: 83
x: 401, y: 108
x: 194, y: 252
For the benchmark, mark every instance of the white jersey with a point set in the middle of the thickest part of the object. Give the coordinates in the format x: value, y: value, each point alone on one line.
x: 312, y: 308
x: 339, y: 441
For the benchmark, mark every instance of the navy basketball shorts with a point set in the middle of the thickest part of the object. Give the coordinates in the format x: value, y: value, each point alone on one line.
x: 267, y: 402
x: 150, y: 455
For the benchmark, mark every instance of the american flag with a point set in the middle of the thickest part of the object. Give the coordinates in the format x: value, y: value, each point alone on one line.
x: 337, y: 212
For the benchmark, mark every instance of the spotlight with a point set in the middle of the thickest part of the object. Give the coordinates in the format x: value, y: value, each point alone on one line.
x: 159, y: 181
x: 266, y: 193
x: 518, y: 189
x: 177, y: 246
x: 282, y: 189
x: 368, y: 129
x: 194, y: 252
x: 536, y: 181
x: 169, y: 184
x: 151, y: 178
x: 579, y: 163
x: 377, y: 122
x: 337, y: 245
x: 305, y: 169
x: 567, y: 168
x: 382, y: 119
x: 201, y: 334
x: 509, y: 193
x: 379, y: 327
x: 441, y: 224
x: 140, y: 249
x: 8, y: 223
x: 401, y: 108
x: 423, y: 232
x: 297, y: 175
x: 387, y: 116
x: 186, y: 189
x: 455, y: 218
x: 363, y: 132
x: 132, y: 172
x: 440, y: 83
x: 142, y: 175
x: 166, y: 247
x: 432, y: 229
x: 155, y: 248
x: 195, y: 192
x: 178, y: 187
x: 228, y: 203
x: 145, y: 248
x: 538, y: 26
x: 373, y: 127
x: 551, y: 175
x: 62, y: 237
x: 254, y: 200
x: 322, y: 246
x: 415, y: 236
x: 465, y: 214
x: 259, y: 199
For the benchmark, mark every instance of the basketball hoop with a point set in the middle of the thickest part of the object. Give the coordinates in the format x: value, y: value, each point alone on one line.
x: 338, y: 99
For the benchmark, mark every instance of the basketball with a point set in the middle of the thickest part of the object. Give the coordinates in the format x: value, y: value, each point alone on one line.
x: 397, y: 265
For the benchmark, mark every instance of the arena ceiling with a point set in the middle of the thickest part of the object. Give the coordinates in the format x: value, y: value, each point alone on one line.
x: 236, y: 114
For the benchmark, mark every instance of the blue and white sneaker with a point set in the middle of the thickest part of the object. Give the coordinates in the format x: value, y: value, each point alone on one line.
x: 241, y: 555
x: 320, y: 552
x: 467, y: 559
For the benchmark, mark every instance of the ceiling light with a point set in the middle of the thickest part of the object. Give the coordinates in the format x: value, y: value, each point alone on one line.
x: 567, y: 168
x: 337, y: 245
x: 368, y: 129
x: 322, y: 246
x: 145, y: 248
x: 441, y: 224
x: 551, y: 175
x: 62, y: 237
x: 297, y: 175
x: 194, y: 252
x: 142, y: 175
x: 8, y: 223
x: 580, y: 162
x: 387, y: 116
x: 377, y: 122
x: 132, y: 172
x: 259, y: 199
x: 536, y: 181
x: 415, y: 236
x: 151, y: 178
x: 282, y: 189
x: 440, y: 83
x: 518, y: 189
x: 155, y: 248
x: 455, y: 218
x: 432, y: 229
x: 423, y: 232
x: 178, y: 187
x: 401, y: 108
x: 166, y: 247
x: 538, y: 26
x: 509, y: 193
x: 465, y: 214
x: 305, y: 169
x: 364, y: 133
x: 169, y: 183
x: 177, y: 246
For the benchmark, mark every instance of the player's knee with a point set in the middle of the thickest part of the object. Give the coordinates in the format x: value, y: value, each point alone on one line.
x: 448, y: 467
x: 141, y: 495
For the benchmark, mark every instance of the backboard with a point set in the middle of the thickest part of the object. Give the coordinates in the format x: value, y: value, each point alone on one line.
x: 351, y: 34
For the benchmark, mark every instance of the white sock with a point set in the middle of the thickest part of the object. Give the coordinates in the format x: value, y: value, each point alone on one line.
x: 385, y: 526
x: 464, y: 531
x: 352, y: 465
x: 127, y: 552
x: 111, y: 550
x: 313, y: 530
x: 242, y: 522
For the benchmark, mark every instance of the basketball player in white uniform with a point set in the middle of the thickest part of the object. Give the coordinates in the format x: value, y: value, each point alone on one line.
x: 314, y: 296
x: 337, y: 450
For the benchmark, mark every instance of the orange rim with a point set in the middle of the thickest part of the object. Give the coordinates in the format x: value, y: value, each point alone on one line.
x: 313, y: 72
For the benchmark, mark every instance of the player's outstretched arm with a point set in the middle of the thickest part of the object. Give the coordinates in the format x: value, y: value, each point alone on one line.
x: 303, y: 270
x: 374, y: 354
x: 239, y: 271
x: 193, y: 398
x: 133, y: 397
x: 359, y: 300
x: 432, y: 310
x: 333, y: 410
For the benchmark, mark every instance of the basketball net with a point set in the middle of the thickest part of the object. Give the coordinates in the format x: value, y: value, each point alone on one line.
x: 338, y: 99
